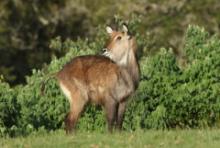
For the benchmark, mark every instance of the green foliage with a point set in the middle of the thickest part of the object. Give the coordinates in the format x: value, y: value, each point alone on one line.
x: 172, y: 97
x: 167, y: 97
x: 9, y: 108
x: 26, y: 27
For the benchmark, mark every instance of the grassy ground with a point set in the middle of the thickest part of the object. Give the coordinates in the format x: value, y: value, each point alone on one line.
x: 137, y: 139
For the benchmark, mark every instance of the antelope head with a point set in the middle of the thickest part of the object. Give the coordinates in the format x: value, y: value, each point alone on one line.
x: 120, y: 47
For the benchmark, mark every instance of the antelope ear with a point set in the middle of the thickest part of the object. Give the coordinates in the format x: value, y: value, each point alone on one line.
x: 109, y: 30
x: 124, y: 28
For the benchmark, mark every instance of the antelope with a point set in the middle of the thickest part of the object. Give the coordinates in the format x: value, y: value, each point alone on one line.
x: 107, y: 80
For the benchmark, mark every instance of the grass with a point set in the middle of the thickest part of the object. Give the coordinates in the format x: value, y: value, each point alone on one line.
x: 139, y: 139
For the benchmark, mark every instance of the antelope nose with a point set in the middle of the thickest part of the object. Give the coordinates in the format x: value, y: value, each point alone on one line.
x: 104, y: 49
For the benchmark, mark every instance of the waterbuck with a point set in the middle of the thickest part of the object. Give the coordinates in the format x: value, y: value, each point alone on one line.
x: 107, y: 80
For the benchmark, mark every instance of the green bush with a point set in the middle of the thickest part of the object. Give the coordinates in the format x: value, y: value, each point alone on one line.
x: 168, y: 96
x: 9, y: 109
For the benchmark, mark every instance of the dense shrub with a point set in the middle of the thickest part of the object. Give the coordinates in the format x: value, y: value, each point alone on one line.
x: 168, y: 96
x: 9, y: 109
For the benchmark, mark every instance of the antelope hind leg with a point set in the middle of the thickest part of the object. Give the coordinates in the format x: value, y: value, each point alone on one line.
x: 76, y: 108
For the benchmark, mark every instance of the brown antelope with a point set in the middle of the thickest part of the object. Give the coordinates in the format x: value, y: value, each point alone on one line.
x: 107, y: 80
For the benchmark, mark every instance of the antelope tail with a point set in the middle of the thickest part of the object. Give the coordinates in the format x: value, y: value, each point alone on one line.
x: 43, y: 83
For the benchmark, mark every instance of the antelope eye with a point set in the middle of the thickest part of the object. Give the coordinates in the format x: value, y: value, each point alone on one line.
x: 119, y: 38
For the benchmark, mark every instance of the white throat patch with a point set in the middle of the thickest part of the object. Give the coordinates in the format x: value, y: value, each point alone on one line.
x: 124, y: 60
x: 107, y: 54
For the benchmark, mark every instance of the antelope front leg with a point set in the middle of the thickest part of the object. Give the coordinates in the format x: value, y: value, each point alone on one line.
x: 111, y: 112
x: 120, y: 114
